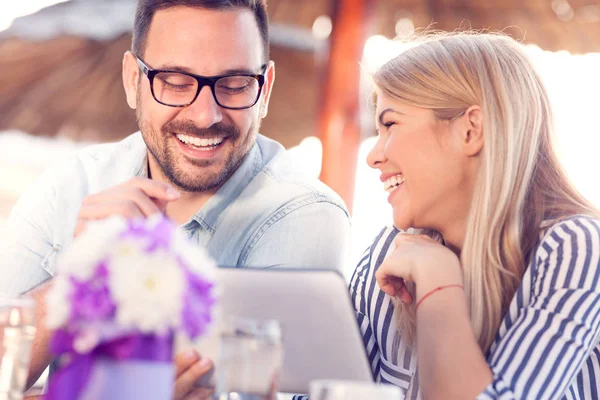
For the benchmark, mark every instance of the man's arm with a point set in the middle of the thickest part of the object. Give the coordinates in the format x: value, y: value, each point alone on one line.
x: 313, y: 235
x: 27, y: 252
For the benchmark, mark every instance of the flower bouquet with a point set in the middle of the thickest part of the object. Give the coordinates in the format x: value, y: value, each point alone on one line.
x: 122, y: 292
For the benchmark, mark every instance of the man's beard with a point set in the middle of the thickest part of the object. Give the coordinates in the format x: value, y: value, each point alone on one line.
x: 160, y: 145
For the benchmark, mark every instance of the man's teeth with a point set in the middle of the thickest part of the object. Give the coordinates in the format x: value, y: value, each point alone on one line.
x: 392, y: 182
x: 199, y: 142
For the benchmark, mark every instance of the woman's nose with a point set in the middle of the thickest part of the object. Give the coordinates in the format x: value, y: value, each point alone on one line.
x: 376, y: 156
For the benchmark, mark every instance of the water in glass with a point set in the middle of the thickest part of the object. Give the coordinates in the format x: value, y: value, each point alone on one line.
x: 17, y: 330
x: 250, y: 360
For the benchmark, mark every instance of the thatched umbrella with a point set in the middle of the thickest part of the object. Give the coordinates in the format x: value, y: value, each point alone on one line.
x: 61, y: 66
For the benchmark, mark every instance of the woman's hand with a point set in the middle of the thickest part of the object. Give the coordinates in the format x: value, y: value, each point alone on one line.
x: 418, y: 259
x: 190, y: 366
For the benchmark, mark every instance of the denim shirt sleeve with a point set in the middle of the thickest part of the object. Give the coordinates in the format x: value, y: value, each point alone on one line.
x: 26, y: 245
x: 313, y: 235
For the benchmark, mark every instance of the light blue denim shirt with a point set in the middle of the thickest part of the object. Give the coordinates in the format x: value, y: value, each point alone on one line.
x: 266, y: 214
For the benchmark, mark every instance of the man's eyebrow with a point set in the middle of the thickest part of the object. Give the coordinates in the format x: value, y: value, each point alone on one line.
x: 174, y: 68
x: 231, y: 71
x: 380, y: 118
x: 240, y: 71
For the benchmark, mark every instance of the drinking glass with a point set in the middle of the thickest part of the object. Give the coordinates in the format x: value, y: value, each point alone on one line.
x: 251, y: 355
x: 349, y: 390
x: 17, y: 330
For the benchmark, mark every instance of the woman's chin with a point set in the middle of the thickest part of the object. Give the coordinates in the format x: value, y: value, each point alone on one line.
x: 401, y: 222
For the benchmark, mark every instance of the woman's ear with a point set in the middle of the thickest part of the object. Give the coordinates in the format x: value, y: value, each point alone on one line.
x: 472, y: 135
x: 131, y: 74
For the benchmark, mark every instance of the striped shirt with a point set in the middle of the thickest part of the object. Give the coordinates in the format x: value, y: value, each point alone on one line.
x: 548, y: 344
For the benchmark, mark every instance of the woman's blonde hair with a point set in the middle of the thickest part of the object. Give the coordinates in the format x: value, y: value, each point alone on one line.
x: 520, y: 182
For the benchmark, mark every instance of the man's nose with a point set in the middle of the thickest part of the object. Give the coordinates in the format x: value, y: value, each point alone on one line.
x: 204, y: 111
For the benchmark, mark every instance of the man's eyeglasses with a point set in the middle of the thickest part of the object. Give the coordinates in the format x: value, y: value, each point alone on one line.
x: 180, y: 89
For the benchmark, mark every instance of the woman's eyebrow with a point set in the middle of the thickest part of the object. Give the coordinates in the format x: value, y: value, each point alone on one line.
x: 380, y: 118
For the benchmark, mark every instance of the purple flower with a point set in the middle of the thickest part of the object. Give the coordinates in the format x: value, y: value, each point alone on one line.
x: 142, y: 269
x: 135, y: 228
x: 62, y: 341
x: 161, y: 234
x: 198, y: 304
x: 157, y: 234
x: 91, y: 299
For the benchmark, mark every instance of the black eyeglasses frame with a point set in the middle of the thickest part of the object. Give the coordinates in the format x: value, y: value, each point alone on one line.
x: 202, y: 81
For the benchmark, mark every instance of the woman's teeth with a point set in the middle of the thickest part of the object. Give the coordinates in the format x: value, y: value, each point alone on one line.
x: 392, y: 183
x: 199, y: 143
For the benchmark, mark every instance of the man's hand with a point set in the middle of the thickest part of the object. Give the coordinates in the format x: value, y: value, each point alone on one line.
x: 190, y: 366
x: 138, y: 197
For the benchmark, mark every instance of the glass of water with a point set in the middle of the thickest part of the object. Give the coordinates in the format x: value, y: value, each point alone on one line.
x: 250, y: 360
x: 17, y: 329
x: 349, y: 390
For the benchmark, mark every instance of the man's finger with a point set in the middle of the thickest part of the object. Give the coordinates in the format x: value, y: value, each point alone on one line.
x: 200, y: 394
x: 127, y: 209
x: 185, y: 360
x: 79, y: 227
x: 152, y: 188
x: 144, y: 203
x: 185, y: 382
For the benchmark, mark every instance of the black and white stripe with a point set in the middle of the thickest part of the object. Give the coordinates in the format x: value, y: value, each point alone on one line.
x: 548, y: 344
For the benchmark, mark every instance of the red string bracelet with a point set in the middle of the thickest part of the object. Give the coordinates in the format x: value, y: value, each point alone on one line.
x: 437, y: 289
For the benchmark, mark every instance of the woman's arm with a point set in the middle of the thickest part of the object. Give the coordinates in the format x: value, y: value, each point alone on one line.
x: 451, y: 363
x: 553, y: 336
x: 545, y: 347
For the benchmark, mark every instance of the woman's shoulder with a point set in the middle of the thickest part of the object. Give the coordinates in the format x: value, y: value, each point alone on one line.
x: 576, y: 234
x: 382, y: 244
x: 568, y: 255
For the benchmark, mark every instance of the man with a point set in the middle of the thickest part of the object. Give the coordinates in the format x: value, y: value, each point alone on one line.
x: 199, y: 79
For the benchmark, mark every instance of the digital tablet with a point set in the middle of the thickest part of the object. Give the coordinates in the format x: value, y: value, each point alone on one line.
x: 321, y: 336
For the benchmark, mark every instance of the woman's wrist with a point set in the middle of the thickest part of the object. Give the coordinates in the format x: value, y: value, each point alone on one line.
x: 437, y: 289
x: 440, y: 277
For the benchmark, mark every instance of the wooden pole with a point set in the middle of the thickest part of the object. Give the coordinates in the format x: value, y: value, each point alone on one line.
x: 339, y: 115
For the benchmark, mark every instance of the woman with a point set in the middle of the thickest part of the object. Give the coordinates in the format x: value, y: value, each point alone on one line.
x: 507, y: 304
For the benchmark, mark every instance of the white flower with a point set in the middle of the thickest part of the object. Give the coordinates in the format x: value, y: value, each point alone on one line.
x: 57, y: 304
x: 90, y: 247
x: 147, y: 289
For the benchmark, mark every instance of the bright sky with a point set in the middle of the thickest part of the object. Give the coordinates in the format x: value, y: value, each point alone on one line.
x: 15, y: 9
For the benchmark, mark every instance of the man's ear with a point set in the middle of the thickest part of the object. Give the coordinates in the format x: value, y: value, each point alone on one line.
x: 131, y: 75
x: 472, y: 131
x: 267, y: 89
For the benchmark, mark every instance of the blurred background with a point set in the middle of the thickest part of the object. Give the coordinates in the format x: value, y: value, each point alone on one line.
x: 60, y: 83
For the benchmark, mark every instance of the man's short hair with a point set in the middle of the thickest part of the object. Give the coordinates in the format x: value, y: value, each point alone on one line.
x: 147, y: 8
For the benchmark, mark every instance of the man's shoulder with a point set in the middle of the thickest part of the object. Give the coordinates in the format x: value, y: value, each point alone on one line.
x: 124, y: 151
x: 109, y: 163
x: 282, y: 178
x: 94, y: 168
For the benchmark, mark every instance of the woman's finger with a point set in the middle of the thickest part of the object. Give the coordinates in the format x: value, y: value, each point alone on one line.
x: 404, y: 295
